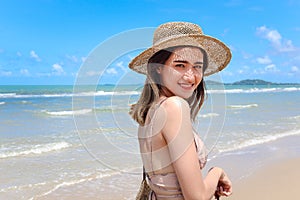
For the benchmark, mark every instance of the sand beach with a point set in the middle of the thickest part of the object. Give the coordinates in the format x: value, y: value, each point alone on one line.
x: 272, y: 173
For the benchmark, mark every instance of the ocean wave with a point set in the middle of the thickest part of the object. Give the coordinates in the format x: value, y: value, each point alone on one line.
x: 69, y: 112
x: 7, y: 95
x: 243, y: 106
x: 63, y: 184
x: 254, y: 90
x: 102, y: 93
x: 294, y: 117
x: 2, y: 102
x: 132, y: 92
x: 291, y: 89
x: 82, y: 94
x: 87, y: 178
x: 209, y: 115
x: 259, y: 140
x: 33, y: 149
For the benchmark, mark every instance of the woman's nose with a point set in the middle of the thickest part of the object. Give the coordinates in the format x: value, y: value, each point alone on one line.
x: 189, y: 75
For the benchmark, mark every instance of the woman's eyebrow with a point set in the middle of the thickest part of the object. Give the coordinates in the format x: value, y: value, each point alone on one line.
x: 181, y: 61
x: 185, y: 61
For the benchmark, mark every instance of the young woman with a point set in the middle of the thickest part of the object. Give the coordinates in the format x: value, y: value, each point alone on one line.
x: 173, y: 155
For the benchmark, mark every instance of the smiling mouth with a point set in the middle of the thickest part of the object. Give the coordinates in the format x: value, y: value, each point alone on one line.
x: 186, y: 85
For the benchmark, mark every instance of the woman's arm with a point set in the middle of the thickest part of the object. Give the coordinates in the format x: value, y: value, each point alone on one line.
x: 178, y: 134
x: 224, y: 187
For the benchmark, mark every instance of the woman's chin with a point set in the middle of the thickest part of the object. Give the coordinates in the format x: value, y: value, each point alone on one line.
x: 185, y: 96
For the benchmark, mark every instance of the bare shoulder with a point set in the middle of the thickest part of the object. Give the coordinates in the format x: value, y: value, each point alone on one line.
x: 173, y: 110
x: 175, y: 103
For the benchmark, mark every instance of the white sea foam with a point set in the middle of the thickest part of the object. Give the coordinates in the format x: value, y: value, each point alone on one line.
x: 7, y: 95
x: 22, y: 187
x: 243, y: 106
x: 295, y: 117
x: 209, y: 115
x: 87, y: 178
x: 63, y: 184
x: 254, y: 90
x: 121, y: 93
x: 33, y: 149
x: 103, y: 93
x: 291, y: 89
x: 225, y: 91
x: 69, y: 112
x: 81, y: 94
x: 260, y: 140
x: 2, y: 103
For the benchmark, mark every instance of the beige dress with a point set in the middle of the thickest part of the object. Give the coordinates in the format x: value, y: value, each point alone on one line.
x: 166, y: 186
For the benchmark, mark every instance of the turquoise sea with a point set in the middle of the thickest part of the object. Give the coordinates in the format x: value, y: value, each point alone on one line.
x: 57, y: 142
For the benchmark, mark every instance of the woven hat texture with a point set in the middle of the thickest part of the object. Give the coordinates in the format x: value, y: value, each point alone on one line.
x: 184, y: 33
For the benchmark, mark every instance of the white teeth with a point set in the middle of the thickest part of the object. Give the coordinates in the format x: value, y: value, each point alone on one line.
x: 186, y: 85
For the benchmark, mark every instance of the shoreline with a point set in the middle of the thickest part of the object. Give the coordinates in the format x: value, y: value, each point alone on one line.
x: 255, y: 171
x: 252, y: 172
x: 263, y: 171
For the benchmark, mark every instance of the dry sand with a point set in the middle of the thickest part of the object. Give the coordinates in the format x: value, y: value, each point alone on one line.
x: 275, y: 181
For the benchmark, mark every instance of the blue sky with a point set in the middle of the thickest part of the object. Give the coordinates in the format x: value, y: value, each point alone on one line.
x: 48, y: 41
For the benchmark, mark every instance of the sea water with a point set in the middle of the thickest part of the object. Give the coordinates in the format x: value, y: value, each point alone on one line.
x: 58, y: 143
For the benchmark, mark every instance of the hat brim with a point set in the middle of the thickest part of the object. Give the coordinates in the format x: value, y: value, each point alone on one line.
x: 218, y: 53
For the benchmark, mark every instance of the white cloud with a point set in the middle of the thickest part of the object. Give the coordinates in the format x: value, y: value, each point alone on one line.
x: 294, y: 69
x: 243, y: 70
x: 24, y: 72
x: 297, y: 28
x: 111, y: 71
x: 240, y: 71
x: 226, y: 30
x: 57, y: 69
x: 259, y: 71
x: 232, y: 48
x: 43, y: 74
x: 35, y: 56
x: 93, y: 73
x: 72, y: 58
x: 272, y: 68
x: 275, y: 38
x: 5, y: 73
x: 264, y: 60
x: 246, y: 55
x: 121, y: 66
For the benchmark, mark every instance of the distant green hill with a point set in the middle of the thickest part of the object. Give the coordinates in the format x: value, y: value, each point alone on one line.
x: 249, y: 82
x: 252, y: 82
x: 259, y: 82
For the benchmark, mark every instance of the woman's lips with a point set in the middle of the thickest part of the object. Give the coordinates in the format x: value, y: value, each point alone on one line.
x: 186, y: 86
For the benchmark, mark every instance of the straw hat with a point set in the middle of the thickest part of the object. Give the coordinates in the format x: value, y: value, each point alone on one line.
x: 184, y: 33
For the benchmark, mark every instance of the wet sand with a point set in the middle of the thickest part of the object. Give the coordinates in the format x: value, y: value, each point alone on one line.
x: 268, y: 171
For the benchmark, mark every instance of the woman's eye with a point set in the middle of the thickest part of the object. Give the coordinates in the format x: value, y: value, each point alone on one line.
x: 180, y: 65
x: 198, y: 66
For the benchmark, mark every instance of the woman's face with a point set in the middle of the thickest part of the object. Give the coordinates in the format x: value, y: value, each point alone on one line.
x: 183, y: 71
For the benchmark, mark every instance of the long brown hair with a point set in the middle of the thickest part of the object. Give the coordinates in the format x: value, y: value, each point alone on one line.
x: 153, y: 87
